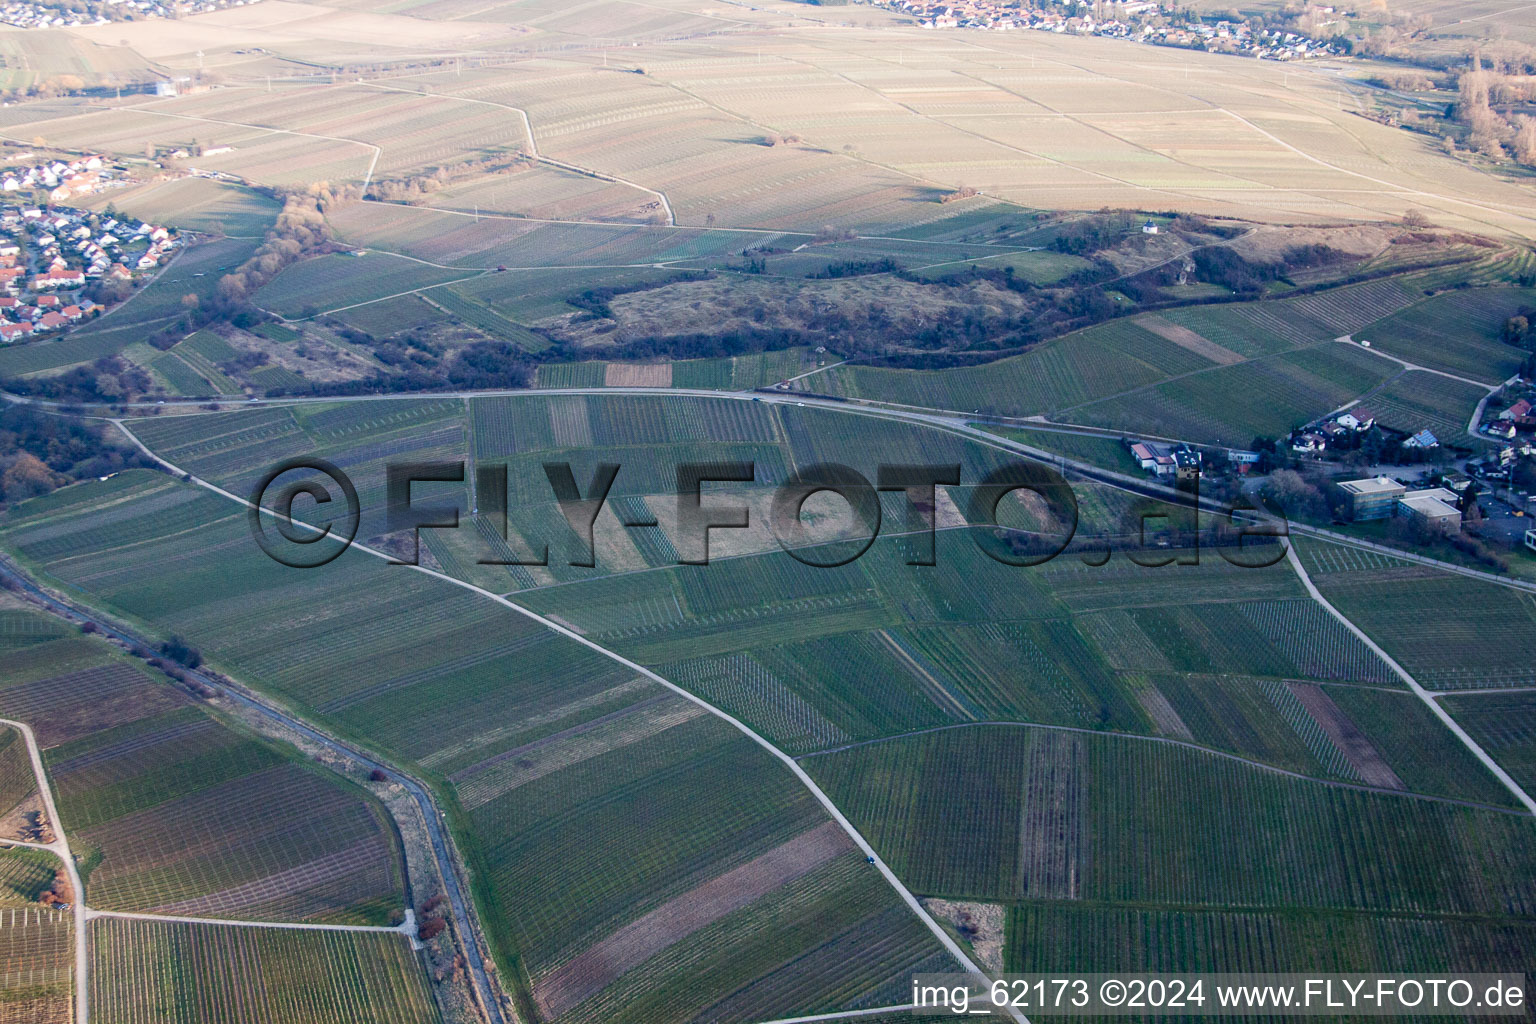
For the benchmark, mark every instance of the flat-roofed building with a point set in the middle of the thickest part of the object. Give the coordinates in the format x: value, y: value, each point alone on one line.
x: 1434, y: 507
x: 1372, y: 497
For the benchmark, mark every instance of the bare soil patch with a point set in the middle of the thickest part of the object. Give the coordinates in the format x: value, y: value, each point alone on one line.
x: 1162, y: 713
x: 638, y: 375
x: 27, y: 822
x: 1346, y: 735
x: 1188, y: 339
x: 600, y: 964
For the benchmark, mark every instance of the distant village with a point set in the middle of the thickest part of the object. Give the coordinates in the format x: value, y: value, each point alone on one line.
x: 1138, y: 20
x: 100, y: 12
x: 51, y: 254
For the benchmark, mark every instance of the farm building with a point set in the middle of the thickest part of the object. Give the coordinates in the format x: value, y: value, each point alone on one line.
x: 1372, y: 497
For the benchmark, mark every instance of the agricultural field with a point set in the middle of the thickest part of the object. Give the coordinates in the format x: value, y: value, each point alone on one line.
x: 1058, y: 935
x: 1107, y: 452
x: 965, y: 813
x: 1416, y: 401
x: 36, y: 959
x: 1459, y: 648
x: 1268, y: 396
x: 137, y: 767
x: 1456, y: 332
x: 517, y: 723
x: 175, y: 973
x: 1505, y: 725
x: 195, y: 204
x: 335, y: 281
x: 642, y: 739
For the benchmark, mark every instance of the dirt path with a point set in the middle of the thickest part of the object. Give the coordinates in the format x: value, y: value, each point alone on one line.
x: 1170, y: 741
x: 533, y: 146
x: 1413, y: 684
x: 785, y: 759
x: 60, y: 848
x: 406, y: 927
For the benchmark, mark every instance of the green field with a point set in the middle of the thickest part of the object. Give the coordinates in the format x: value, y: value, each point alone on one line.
x: 537, y: 745
x: 165, y: 973
x: 17, y: 780
x: 1457, y: 332
x: 1417, y: 401
x: 330, y: 282
x: 1504, y: 724
x: 137, y: 767
x: 1431, y: 621
x: 1266, y: 396
x: 998, y: 812
x: 1058, y: 936
x: 197, y: 204
x: 1162, y: 684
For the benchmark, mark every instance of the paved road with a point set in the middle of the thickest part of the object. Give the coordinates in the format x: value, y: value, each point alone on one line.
x: 255, y: 701
x: 789, y: 762
x: 949, y: 422
x: 60, y: 848
x: 1413, y: 684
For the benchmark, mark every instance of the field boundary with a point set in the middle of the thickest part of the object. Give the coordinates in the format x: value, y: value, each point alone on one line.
x: 1171, y: 741
x: 906, y: 895
x: 60, y: 848
x: 1413, y: 684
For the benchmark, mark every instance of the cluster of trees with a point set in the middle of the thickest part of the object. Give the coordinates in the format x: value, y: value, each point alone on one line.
x: 1095, y: 232
x: 855, y: 268
x: 181, y: 652
x: 415, y: 188
x: 45, y: 88
x: 1517, y: 330
x: 416, y: 363
x: 1488, y: 132
x: 299, y: 229
x: 42, y: 451
x: 105, y: 382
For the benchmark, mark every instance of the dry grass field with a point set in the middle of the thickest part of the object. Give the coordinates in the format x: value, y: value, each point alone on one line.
x: 884, y: 119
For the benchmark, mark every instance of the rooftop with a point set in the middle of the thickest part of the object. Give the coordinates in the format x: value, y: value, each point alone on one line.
x: 1373, y: 485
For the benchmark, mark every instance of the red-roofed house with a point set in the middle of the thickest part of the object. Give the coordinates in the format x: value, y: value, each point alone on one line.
x: 50, y: 321
x: 10, y: 332
x: 46, y: 301
x: 59, y: 279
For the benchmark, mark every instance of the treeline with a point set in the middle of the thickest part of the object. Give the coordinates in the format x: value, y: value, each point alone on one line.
x: 299, y: 229
x: 110, y: 380
x: 855, y: 268
x: 594, y: 301
x: 1488, y: 132
x: 415, y: 188
x: 416, y: 363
